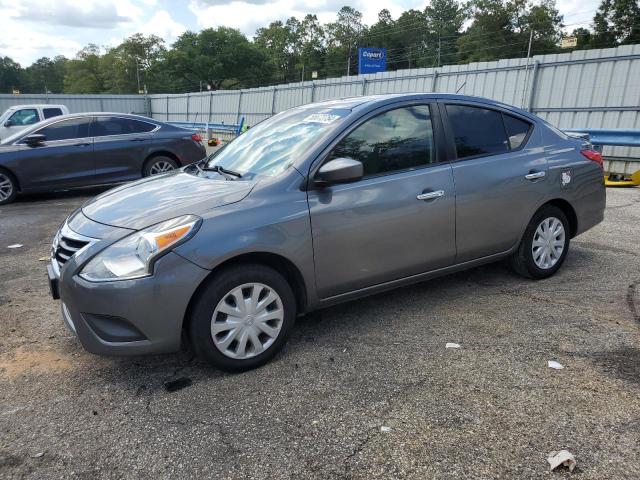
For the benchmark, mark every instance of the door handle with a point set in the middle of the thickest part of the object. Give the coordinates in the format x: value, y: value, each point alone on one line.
x: 82, y: 144
x: 431, y: 195
x: 534, y: 175
x: 137, y: 140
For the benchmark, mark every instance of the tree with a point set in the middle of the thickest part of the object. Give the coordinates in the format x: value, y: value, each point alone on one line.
x: 445, y: 19
x: 342, y: 41
x: 83, y: 73
x: 501, y: 29
x: 10, y: 75
x: 280, y: 44
x: 131, y: 63
x: 616, y: 22
x: 222, y: 57
x: 45, y: 75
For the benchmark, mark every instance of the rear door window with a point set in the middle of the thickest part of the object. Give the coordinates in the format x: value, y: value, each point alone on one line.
x: 66, y: 129
x: 106, y: 126
x: 51, y: 112
x: 396, y: 140
x: 517, y: 131
x: 26, y: 116
x: 477, y: 131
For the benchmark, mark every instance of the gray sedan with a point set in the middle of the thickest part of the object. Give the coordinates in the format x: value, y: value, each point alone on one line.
x: 92, y: 149
x: 315, y: 206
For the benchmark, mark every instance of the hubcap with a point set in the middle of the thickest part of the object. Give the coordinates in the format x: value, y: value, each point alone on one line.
x: 160, y: 166
x: 247, y: 321
x: 548, y: 243
x: 6, y: 187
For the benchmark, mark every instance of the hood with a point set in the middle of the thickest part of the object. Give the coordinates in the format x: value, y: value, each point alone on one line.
x: 155, y: 199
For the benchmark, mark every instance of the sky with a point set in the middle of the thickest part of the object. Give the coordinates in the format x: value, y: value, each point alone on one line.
x: 31, y: 29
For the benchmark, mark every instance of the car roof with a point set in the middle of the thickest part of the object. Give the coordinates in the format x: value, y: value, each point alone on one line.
x: 352, y: 103
x: 36, y: 105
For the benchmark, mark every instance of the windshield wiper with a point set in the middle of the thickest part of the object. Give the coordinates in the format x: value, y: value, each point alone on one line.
x: 219, y: 169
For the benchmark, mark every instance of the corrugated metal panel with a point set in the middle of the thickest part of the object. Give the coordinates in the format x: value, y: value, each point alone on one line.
x: 82, y: 103
x: 581, y: 89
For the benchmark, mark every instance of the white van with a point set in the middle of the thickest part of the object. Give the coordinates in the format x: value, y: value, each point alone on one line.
x: 21, y: 116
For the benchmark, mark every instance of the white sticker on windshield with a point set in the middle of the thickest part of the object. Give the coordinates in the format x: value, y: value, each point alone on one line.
x: 321, y: 118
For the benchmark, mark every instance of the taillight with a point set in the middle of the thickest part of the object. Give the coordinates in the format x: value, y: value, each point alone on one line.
x: 196, y: 137
x: 593, y: 156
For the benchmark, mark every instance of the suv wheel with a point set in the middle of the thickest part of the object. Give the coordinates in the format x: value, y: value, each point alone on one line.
x: 544, y: 245
x: 242, y: 317
x: 8, y: 187
x: 159, y: 164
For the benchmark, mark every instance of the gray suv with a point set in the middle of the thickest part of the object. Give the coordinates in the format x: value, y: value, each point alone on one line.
x: 319, y: 205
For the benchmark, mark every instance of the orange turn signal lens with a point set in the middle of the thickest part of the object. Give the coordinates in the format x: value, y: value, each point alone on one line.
x: 165, y: 239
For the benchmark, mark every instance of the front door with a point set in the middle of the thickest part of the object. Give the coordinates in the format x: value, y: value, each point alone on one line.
x: 399, y: 220
x: 65, y: 159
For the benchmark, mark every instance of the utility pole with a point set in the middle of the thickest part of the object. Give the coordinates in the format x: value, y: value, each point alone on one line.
x: 349, y: 60
x: 526, y: 70
x: 138, y: 73
x: 439, y: 49
x: 302, y: 73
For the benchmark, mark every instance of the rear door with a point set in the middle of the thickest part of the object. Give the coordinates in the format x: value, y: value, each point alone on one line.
x: 399, y: 219
x: 64, y: 160
x: 499, y: 169
x: 120, y: 145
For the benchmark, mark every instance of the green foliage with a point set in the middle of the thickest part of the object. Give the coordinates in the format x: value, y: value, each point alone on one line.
x: 287, y: 51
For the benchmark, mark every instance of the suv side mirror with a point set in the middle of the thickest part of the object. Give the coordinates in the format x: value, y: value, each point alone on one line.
x: 34, y: 140
x: 8, y: 124
x: 339, y: 170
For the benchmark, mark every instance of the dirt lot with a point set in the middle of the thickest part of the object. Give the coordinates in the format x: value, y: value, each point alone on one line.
x: 491, y: 409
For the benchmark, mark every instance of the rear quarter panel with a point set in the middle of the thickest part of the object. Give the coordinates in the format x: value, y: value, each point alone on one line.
x: 576, y: 179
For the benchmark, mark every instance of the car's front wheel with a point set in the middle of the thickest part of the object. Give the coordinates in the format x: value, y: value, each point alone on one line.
x: 8, y: 187
x: 544, y: 245
x: 242, y: 317
x: 159, y: 164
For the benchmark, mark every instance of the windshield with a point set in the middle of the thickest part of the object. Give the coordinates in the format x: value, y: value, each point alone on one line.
x: 273, y: 145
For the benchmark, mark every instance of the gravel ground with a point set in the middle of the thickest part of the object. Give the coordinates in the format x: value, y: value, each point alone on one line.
x: 490, y: 409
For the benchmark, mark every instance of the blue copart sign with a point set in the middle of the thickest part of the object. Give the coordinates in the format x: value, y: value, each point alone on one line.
x: 372, y: 60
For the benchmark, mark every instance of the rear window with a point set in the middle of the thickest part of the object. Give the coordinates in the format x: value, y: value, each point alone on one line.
x: 477, y: 131
x: 51, y: 112
x: 517, y: 131
x: 105, y: 126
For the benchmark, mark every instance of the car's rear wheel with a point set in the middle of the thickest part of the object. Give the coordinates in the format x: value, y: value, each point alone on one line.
x: 544, y: 245
x: 159, y: 164
x: 242, y: 317
x: 8, y: 187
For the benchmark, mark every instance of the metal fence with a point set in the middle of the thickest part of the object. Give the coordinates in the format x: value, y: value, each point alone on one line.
x: 82, y: 103
x: 581, y: 89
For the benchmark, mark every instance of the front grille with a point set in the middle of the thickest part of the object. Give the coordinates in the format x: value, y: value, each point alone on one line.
x: 67, y: 248
x: 65, y: 245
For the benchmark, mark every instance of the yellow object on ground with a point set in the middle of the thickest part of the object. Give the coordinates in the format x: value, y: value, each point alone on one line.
x: 634, y: 181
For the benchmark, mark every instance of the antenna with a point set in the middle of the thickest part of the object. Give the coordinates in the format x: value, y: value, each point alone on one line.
x: 461, y: 86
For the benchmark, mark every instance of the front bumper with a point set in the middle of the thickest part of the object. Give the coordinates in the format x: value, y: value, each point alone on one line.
x: 126, y: 317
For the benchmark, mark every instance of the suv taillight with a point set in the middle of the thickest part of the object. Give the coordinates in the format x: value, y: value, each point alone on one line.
x: 593, y: 156
x: 196, y: 137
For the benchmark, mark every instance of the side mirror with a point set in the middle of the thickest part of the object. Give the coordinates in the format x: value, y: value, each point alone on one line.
x: 34, y: 140
x: 339, y: 170
x: 8, y: 124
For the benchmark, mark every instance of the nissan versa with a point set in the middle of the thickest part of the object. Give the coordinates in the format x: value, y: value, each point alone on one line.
x: 318, y: 205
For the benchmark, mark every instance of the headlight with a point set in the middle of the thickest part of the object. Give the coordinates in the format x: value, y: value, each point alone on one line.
x: 133, y: 256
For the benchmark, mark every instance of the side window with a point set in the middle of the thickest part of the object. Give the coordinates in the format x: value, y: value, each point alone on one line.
x: 66, y: 129
x: 517, y: 130
x: 477, y: 131
x: 104, y: 126
x: 26, y: 116
x: 51, y: 112
x: 399, y: 139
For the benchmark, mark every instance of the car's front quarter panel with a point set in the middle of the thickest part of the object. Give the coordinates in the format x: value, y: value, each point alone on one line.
x: 272, y: 219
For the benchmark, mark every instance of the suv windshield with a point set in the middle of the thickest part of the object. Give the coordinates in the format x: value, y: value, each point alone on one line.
x: 272, y: 146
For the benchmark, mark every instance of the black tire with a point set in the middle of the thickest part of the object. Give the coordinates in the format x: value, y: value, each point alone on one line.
x: 8, y: 187
x: 154, y: 162
x: 522, y: 261
x: 217, y: 288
